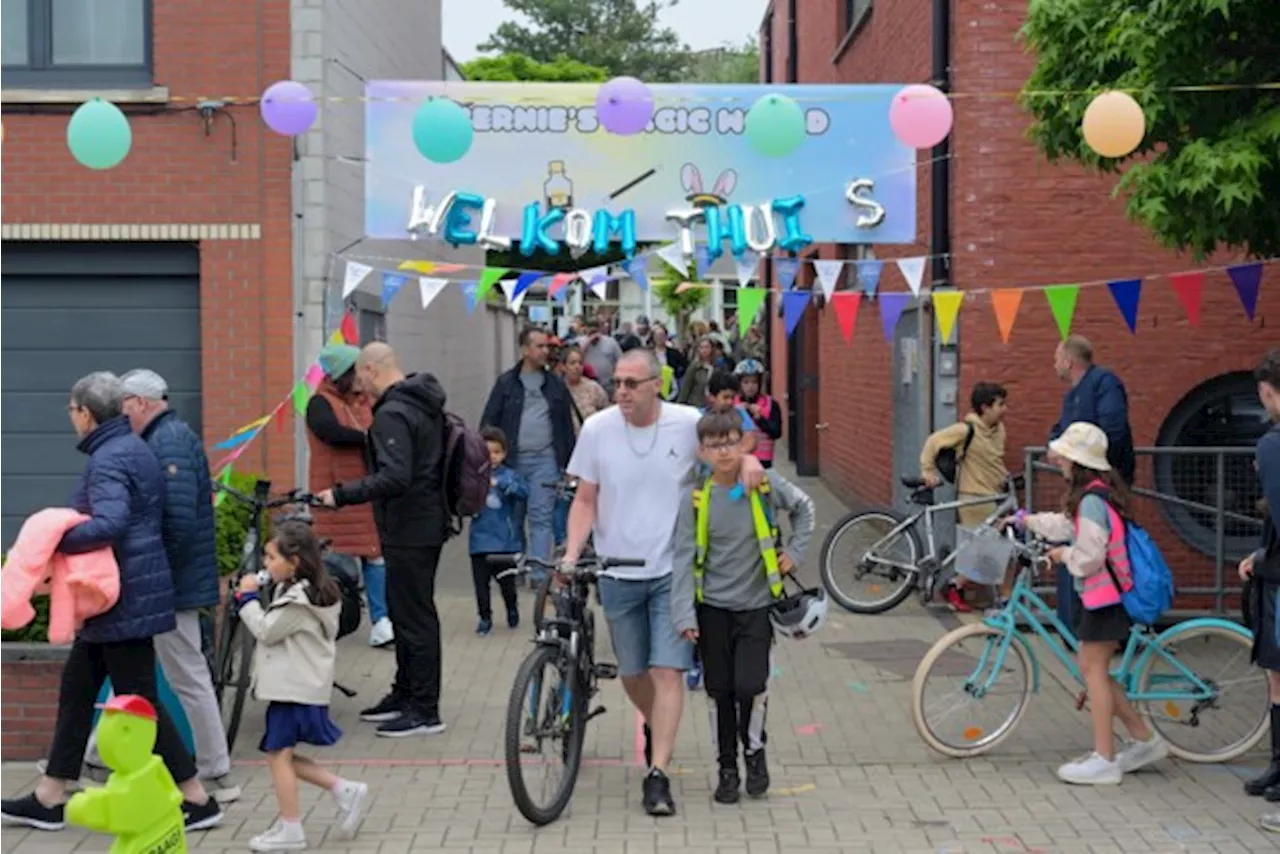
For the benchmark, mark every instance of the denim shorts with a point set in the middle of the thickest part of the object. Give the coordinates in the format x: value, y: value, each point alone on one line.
x: 639, y: 615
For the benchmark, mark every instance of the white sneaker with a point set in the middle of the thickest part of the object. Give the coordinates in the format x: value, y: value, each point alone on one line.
x: 382, y: 633
x: 281, y: 836
x: 1092, y: 770
x: 352, y: 800
x: 1140, y: 754
x: 222, y: 789
x: 1270, y: 822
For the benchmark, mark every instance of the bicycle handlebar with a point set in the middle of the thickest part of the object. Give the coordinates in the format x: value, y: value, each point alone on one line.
x: 293, y: 496
x: 514, y: 564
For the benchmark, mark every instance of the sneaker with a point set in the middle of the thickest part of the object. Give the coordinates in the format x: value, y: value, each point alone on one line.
x: 657, y: 794
x: 757, y: 773
x: 352, y: 800
x: 693, y: 678
x: 222, y: 789
x: 955, y: 599
x: 1270, y: 822
x: 388, y: 708
x: 29, y: 812
x: 382, y: 634
x: 513, y: 617
x: 1258, y: 786
x: 1140, y: 754
x: 281, y: 836
x: 484, y: 627
x: 201, y: 816
x: 411, y: 723
x: 1092, y: 770
x: 727, y: 788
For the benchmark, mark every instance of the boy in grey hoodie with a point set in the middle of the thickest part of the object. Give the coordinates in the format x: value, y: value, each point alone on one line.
x: 728, y: 565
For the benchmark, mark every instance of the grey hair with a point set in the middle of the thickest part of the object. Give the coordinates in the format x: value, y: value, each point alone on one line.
x: 645, y: 356
x: 100, y: 393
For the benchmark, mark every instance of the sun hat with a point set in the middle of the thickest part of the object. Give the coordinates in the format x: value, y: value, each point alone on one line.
x: 1083, y: 444
x: 337, y: 359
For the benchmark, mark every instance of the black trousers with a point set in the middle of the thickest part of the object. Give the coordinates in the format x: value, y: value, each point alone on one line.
x: 132, y: 668
x: 482, y: 574
x: 735, y: 648
x: 411, y: 604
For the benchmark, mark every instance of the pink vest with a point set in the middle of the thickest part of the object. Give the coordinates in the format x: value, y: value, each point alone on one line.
x: 1099, y: 590
x: 764, y: 445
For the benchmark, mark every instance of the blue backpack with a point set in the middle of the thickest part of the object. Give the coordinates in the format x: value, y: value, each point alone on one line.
x: 1153, y: 589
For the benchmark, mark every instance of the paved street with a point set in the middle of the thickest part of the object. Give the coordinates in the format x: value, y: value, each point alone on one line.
x: 850, y: 773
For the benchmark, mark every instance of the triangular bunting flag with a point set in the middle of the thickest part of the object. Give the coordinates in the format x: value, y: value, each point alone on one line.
x: 336, y: 337
x: 912, y: 270
x: 638, y: 269
x: 675, y: 258
x: 701, y: 260
x: 354, y: 275
x: 1189, y: 287
x: 301, y: 397
x: 559, y: 282
x: 524, y: 280
x: 428, y: 267
x: 350, y: 331
x: 869, y: 274
x: 1005, y: 301
x: 946, y: 305
x: 846, y: 305
x: 745, y: 267
x: 430, y: 288
x: 597, y: 280
x: 562, y: 292
x: 685, y: 286
x: 488, y: 277
x: 891, y: 308
x: 513, y: 299
x: 793, y: 305
x: 786, y: 269
x: 313, y: 377
x: 750, y: 301
x: 1127, y: 293
x: 1248, y: 281
x: 224, y: 477
x: 469, y: 291
x: 391, y: 285
x: 1062, y: 302
x: 828, y: 273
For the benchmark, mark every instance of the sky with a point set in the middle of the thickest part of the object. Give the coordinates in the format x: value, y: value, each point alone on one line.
x: 699, y: 23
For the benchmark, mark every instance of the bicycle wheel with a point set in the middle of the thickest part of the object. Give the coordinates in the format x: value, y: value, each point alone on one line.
x: 557, y: 720
x: 968, y: 657
x: 843, y: 575
x: 1206, y: 730
x: 232, y: 686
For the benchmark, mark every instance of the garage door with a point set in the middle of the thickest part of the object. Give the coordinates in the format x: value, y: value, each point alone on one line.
x: 68, y: 309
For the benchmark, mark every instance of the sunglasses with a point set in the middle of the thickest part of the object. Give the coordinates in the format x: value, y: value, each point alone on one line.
x: 631, y: 383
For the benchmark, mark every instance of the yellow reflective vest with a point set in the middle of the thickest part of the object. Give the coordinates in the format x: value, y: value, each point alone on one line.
x: 767, y: 533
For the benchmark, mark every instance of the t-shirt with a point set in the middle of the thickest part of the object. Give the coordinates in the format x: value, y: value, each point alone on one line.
x: 535, y: 418
x: 641, y: 473
x: 603, y: 356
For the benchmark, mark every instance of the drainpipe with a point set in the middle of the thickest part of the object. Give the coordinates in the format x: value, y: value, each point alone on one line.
x: 940, y: 196
x: 793, y: 46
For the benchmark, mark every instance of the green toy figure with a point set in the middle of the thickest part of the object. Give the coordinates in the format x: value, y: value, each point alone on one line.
x: 140, y: 805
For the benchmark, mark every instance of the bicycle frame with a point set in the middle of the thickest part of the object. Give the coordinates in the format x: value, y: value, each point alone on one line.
x: 1008, y: 502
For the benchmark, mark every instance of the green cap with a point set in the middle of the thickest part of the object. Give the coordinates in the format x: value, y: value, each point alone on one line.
x: 337, y: 359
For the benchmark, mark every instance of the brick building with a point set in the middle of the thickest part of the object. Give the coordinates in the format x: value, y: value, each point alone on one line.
x: 860, y: 412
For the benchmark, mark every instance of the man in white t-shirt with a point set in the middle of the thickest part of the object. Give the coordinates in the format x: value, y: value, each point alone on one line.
x: 631, y: 462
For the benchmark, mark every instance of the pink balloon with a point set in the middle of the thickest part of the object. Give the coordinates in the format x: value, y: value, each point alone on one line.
x: 921, y: 116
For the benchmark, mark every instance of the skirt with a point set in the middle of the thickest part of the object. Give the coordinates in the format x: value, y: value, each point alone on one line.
x: 1111, y: 623
x: 1266, y: 632
x: 291, y: 724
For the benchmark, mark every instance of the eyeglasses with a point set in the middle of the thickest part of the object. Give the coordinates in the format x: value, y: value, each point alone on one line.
x: 714, y: 447
x: 631, y: 383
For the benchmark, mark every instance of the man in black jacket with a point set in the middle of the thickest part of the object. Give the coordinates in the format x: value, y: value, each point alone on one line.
x: 405, y: 484
x: 533, y: 408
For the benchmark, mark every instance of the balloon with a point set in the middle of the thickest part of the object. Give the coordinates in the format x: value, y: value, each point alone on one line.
x: 534, y: 236
x: 99, y: 135
x: 442, y: 131
x: 1114, y: 124
x: 577, y: 229
x: 737, y: 231
x: 457, y: 222
x: 753, y: 214
x: 624, y: 106
x: 486, y: 237
x: 685, y: 219
x: 423, y: 216
x: 795, y: 239
x: 624, y: 225
x: 874, y: 210
x: 775, y: 125
x: 288, y: 108
x: 718, y: 230
x: 921, y: 116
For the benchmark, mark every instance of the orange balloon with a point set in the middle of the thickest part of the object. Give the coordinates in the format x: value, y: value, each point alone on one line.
x: 1114, y: 124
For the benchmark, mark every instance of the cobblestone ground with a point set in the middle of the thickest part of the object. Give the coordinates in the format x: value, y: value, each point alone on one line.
x: 849, y: 771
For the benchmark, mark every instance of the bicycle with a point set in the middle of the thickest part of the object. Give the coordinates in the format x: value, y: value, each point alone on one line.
x: 1154, y: 671
x: 895, y: 553
x: 564, y: 489
x: 564, y: 648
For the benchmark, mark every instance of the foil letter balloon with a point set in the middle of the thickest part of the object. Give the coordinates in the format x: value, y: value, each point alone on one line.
x: 795, y: 239
x: 577, y: 230
x: 759, y: 216
x: 457, y: 222
x: 859, y: 195
x: 486, y: 237
x: 685, y: 219
x: 424, y: 216
x: 534, y: 235
x: 737, y: 231
x: 607, y: 225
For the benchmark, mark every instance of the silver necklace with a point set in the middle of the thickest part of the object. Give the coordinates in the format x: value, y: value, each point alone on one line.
x: 653, y: 440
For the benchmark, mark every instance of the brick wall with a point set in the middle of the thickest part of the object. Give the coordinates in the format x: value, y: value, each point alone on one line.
x: 30, y: 700
x: 178, y: 174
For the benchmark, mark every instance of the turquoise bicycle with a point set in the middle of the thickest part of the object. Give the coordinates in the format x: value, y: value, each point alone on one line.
x: 1177, y: 678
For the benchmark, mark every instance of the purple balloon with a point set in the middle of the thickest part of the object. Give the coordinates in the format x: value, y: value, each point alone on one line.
x: 288, y: 108
x: 624, y: 105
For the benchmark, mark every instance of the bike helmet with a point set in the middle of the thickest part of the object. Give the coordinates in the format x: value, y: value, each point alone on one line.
x: 749, y: 368
x: 801, y: 614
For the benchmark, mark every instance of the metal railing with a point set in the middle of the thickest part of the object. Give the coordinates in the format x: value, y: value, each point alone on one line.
x: 1199, y: 503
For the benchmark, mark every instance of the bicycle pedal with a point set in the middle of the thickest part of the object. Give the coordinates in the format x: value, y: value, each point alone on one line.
x: 606, y: 670
x: 596, y: 712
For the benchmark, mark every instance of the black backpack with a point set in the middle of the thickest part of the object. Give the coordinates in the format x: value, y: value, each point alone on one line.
x: 349, y: 588
x: 466, y: 471
x: 948, y: 460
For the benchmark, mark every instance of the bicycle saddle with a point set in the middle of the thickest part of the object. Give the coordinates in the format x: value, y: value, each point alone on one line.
x: 911, y: 481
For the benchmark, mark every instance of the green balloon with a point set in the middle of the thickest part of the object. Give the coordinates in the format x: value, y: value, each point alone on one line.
x: 98, y: 134
x: 775, y: 125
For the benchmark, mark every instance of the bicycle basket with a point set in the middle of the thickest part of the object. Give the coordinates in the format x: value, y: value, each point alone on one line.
x: 983, y: 555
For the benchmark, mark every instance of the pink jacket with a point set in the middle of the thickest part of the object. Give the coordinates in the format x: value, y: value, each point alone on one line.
x: 79, y: 586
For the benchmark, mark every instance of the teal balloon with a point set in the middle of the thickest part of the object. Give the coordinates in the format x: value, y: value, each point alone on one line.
x: 442, y: 131
x: 98, y: 134
x: 775, y: 125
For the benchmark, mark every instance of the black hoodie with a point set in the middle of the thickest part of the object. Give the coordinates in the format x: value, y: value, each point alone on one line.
x: 404, y: 454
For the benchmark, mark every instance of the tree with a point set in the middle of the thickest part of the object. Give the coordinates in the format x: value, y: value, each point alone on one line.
x: 725, y: 64
x: 516, y: 67
x: 621, y: 36
x: 1207, y: 174
x: 679, y: 304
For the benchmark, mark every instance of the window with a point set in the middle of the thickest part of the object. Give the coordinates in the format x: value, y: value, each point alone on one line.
x: 854, y: 12
x: 77, y: 43
x: 371, y: 324
x: 1222, y: 413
